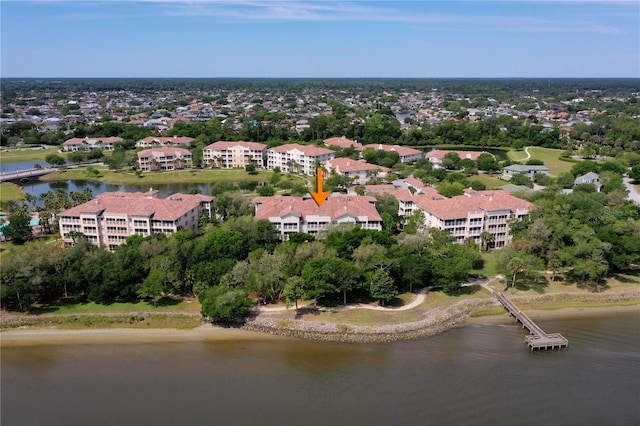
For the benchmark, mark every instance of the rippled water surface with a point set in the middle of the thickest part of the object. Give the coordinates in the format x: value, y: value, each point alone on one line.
x: 480, y: 374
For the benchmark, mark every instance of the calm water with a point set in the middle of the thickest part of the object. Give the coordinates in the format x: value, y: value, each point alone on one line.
x: 473, y: 375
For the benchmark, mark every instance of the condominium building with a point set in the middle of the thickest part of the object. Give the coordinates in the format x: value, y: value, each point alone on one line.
x: 155, y: 141
x: 164, y: 158
x: 298, y: 158
x: 229, y: 155
x: 293, y: 214
x: 111, y: 217
x: 406, y: 154
x: 469, y: 215
x: 359, y: 171
x: 84, y: 144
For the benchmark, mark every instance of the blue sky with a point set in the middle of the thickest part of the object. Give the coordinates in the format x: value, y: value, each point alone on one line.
x: 264, y: 38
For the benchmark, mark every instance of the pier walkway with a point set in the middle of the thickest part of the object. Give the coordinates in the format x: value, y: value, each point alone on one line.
x: 538, y: 338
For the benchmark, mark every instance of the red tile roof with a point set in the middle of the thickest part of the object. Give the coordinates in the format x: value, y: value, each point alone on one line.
x: 345, y: 165
x: 79, y: 141
x: 472, y: 155
x: 336, y: 206
x: 401, y: 150
x: 164, y: 151
x: 480, y: 201
x: 138, y: 204
x: 222, y: 145
x: 168, y: 140
x: 308, y: 150
x: 343, y: 142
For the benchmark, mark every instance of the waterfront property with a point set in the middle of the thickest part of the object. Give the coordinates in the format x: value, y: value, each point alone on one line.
x: 85, y: 144
x: 474, y: 213
x: 164, y: 158
x: 110, y: 218
x: 529, y: 171
x: 298, y: 158
x: 229, y: 155
x: 293, y: 214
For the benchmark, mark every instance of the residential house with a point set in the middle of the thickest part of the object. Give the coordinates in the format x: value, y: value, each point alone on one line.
x: 155, y: 141
x: 298, y: 158
x: 164, y: 158
x: 111, y: 217
x: 528, y: 171
x: 359, y: 171
x: 436, y: 156
x: 589, y: 178
x: 84, y: 144
x: 293, y: 214
x: 229, y: 155
x: 407, y: 155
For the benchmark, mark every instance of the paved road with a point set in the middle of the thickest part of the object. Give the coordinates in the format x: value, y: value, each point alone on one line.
x: 633, y: 192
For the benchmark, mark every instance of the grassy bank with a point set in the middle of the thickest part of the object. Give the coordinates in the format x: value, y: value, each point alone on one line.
x: 159, y: 178
x: 550, y: 157
x: 10, y: 192
x: 29, y: 154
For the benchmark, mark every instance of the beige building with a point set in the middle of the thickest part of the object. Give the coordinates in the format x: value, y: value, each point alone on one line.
x: 230, y: 155
x: 298, y: 158
x: 156, y: 141
x: 164, y: 158
x: 84, y: 144
x: 293, y: 214
x: 110, y: 218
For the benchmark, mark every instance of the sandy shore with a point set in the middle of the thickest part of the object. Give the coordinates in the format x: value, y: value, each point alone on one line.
x: 53, y: 336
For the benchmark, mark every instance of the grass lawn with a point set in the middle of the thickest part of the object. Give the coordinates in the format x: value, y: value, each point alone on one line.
x: 159, y: 178
x: 29, y: 154
x: 549, y: 156
x: 167, y: 305
x: 10, y: 191
x: 491, y: 181
x: 490, y: 268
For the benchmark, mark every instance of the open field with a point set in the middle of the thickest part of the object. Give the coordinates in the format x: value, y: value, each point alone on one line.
x: 550, y: 157
x: 167, y: 305
x: 491, y: 181
x: 29, y: 154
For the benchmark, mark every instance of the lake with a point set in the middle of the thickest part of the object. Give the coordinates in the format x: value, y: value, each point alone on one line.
x: 476, y: 374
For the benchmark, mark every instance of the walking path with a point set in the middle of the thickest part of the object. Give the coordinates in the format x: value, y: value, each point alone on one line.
x: 633, y: 192
x: 420, y: 297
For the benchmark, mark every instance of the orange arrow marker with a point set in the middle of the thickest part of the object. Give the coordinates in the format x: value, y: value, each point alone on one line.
x: 319, y: 196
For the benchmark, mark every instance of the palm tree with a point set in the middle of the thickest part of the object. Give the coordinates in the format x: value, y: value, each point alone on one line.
x: 515, y: 265
x: 486, y: 238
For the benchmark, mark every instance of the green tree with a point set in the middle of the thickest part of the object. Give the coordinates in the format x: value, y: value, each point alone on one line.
x: 19, y: 227
x: 55, y: 160
x: 294, y: 290
x: 327, y: 276
x: 381, y: 286
x: 153, y: 286
x: 221, y: 304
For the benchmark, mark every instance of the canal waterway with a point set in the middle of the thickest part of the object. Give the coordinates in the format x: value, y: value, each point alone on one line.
x: 477, y: 374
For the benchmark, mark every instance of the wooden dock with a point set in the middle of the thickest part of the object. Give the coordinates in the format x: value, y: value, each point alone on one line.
x: 537, y: 339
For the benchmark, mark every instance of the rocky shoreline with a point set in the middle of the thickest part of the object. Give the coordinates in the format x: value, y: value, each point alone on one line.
x: 435, y: 321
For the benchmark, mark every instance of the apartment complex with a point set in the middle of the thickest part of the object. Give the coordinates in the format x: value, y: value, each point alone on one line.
x: 293, y: 214
x: 111, y: 217
x: 469, y: 215
x: 230, y: 155
x: 164, y: 158
x: 84, y: 144
x: 155, y: 141
x: 298, y: 158
x: 359, y: 171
